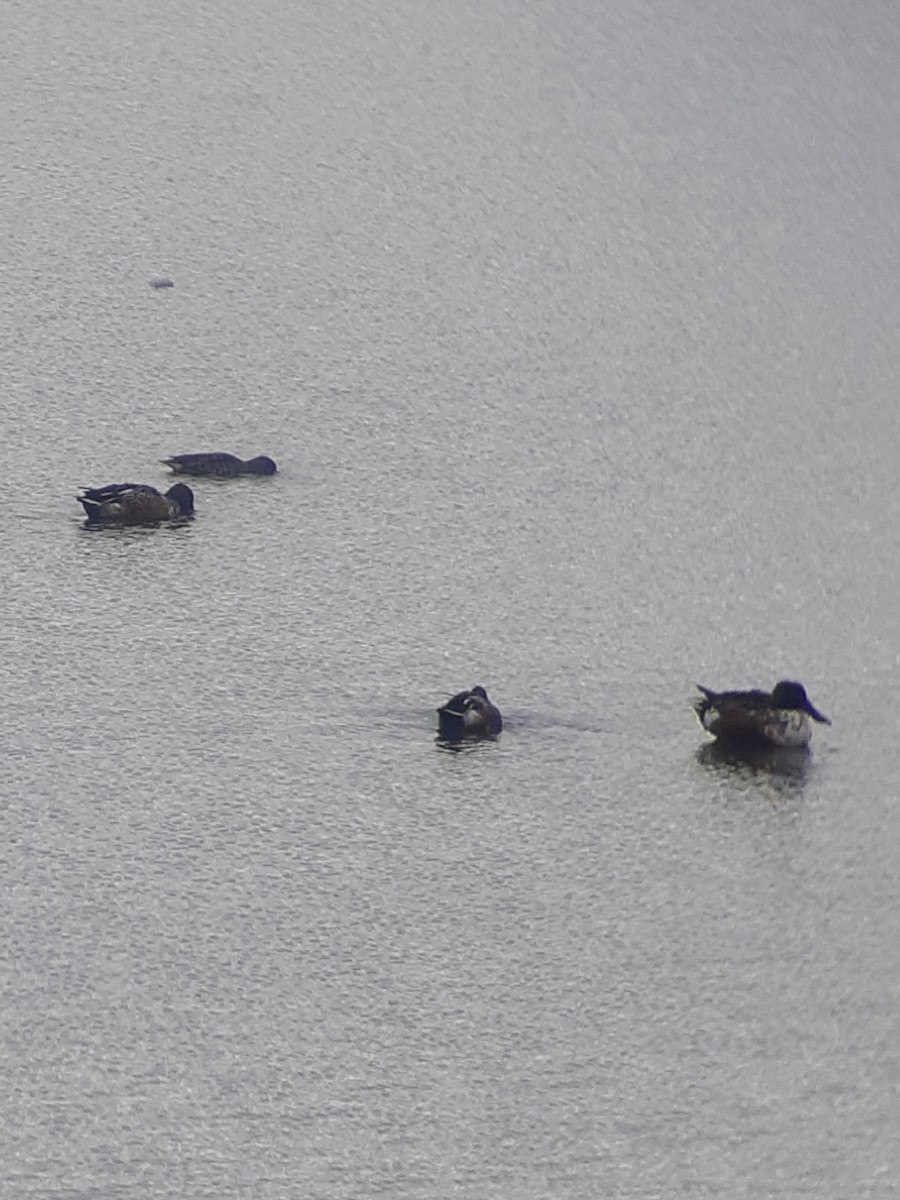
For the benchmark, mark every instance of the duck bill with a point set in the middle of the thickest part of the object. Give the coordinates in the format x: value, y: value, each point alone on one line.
x: 816, y: 715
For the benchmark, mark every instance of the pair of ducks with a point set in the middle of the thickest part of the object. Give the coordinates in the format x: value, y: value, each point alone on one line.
x: 141, y: 504
x: 778, y: 718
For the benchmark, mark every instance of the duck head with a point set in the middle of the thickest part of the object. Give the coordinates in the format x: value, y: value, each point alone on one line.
x: 789, y: 694
x: 261, y: 465
x: 183, y: 497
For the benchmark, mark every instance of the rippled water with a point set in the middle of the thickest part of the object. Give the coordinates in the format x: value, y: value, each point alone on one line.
x: 572, y: 328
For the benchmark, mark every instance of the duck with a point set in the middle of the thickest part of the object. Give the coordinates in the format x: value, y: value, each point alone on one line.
x: 469, y: 714
x: 777, y: 718
x: 219, y: 465
x: 135, y: 504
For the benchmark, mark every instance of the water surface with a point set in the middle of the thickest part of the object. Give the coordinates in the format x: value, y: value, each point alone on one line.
x: 572, y: 330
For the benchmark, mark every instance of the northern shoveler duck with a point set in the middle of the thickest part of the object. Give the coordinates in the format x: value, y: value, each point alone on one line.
x: 776, y: 718
x: 469, y: 714
x: 221, y: 466
x: 135, y: 504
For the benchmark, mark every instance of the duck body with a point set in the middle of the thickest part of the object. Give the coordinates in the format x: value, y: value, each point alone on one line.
x: 135, y: 504
x: 755, y: 718
x: 469, y: 714
x: 219, y: 465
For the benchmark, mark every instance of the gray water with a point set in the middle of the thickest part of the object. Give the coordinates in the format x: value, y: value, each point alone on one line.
x: 573, y: 329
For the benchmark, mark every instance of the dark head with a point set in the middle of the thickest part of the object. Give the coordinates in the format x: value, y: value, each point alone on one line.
x: 481, y: 713
x: 261, y: 465
x: 183, y: 497
x: 788, y: 694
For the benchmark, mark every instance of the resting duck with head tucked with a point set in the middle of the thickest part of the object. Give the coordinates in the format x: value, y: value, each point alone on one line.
x: 469, y: 714
x: 219, y: 465
x: 776, y: 718
x: 135, y: 504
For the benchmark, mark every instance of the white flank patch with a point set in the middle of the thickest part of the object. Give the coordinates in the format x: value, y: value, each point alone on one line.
x: 789, y: 728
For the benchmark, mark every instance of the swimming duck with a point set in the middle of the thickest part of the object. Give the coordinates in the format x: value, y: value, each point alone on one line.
x: 135, y: 504
x: 776, y: 718
x: 221, y: 466
x: 469, y: 714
